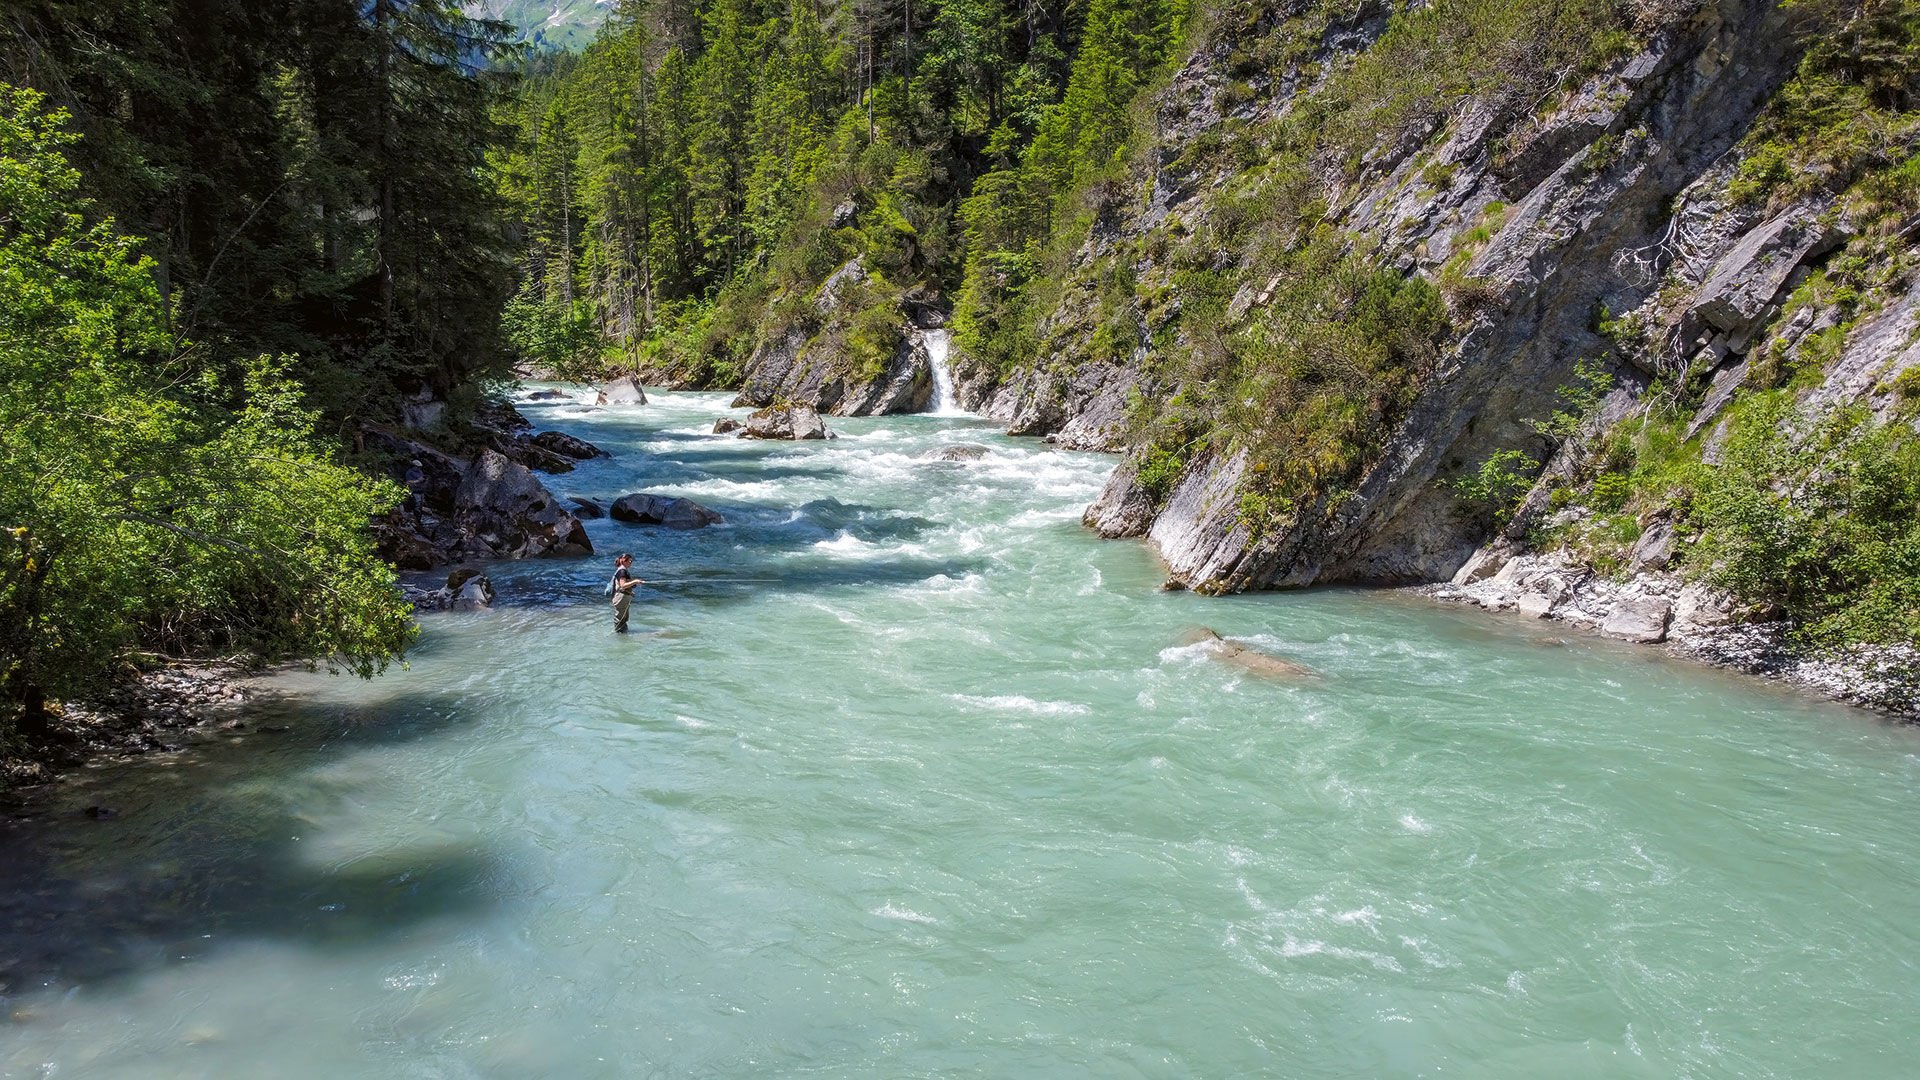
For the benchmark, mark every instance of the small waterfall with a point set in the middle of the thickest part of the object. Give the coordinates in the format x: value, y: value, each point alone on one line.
x: 943, y: 400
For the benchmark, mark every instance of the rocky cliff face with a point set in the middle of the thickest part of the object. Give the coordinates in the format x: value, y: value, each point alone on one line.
x: 851, y: 348
x: 1551, y: 222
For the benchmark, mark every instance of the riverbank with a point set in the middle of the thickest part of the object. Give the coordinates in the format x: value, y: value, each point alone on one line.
x: 1686, y: 620
x: 150, y: 712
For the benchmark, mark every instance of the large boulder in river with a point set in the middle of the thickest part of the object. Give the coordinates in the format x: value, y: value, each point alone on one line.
x: 622, y: 391
x: 559, y: 442
x: 506, y: 507
x: 726, y: 425
x: 785, y: 422
x: 641, y: 508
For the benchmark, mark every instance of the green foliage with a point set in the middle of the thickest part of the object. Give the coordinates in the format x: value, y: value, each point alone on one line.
x: 309, y: 178
x: 1849, y: 109
x: 1610, y: 492
x: 1819, y: 515
x: 142, y: 501
x: 1160, y: 469
x: 1496, y: 488
x: 1579, y: 401
x: 563, y: 340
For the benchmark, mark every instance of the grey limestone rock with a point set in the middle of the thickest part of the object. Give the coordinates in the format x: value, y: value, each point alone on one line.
x: 1642, y: 619
x: 785, y: 422
x: 625, y: 390
x: 957, y: 452
x: 1124, y: 508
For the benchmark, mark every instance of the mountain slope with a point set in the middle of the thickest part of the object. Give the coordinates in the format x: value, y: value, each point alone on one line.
x: 562, y: 24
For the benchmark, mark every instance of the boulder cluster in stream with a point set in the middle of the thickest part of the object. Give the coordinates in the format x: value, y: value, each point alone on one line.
x: 487, y: 506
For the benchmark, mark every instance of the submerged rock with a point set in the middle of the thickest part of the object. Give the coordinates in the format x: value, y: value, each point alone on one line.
x: 625, y: 390
x: 785, y: 422
x: 1246, y: 659
x: 957, y: 452
x: 666, y: 511
x: 584, y: 507
x: 548, y: 395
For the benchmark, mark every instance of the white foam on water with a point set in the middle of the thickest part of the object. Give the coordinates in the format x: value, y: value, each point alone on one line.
x: 848, y: 546
x: 1195, y: 653
x: 1414, y: 824
x: 1022, y: 703
x: 718, y: 487
x: 890, y: 911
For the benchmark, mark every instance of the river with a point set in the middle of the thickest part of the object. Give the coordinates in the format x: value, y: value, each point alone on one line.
x: 906, y: 774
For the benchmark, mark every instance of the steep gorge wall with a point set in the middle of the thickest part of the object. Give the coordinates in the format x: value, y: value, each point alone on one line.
x: 1609, y: 200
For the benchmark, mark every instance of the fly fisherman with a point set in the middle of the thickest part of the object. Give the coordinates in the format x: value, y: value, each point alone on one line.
x: 621, y: 589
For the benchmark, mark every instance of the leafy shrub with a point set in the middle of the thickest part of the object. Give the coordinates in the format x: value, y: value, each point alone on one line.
x: 1496, y: 488
x: 1160, y: 470
x: 1609, y: 492
x: 1818, y: 515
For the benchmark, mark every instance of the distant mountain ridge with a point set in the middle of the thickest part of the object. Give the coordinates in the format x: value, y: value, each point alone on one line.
x: 562, y: 24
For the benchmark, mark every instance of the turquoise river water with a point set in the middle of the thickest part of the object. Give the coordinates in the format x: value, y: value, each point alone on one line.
x: 919, y: 781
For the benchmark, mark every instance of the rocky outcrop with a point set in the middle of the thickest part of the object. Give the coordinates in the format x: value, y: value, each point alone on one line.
x: 665, y: 511
x: 786, y: 421
x: 814, y: 357
x: 505, y: 506
x: 1610, y: 202
x: 1124, y: 507
x: 489, y: 507
x: 625, y: 390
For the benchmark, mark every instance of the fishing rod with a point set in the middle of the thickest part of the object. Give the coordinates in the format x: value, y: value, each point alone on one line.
x: 709, y: 580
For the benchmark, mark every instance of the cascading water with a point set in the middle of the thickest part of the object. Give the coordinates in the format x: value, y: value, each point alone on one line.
x: 937, y: 342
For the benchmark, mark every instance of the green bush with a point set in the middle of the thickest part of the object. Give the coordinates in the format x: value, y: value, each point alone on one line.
x: 1160, y: 469
x: 1609, y: 493
x: 1819, y: 516
x: 1496, y: 488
